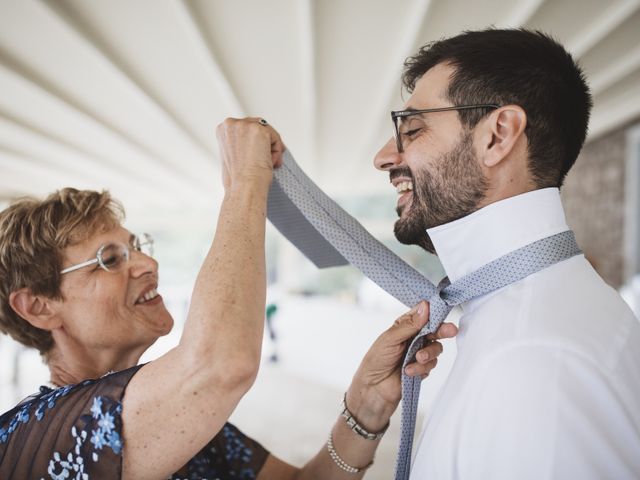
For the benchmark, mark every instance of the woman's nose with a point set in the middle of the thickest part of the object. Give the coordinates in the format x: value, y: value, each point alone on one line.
x: 388, y: 156
x: 139, y: 264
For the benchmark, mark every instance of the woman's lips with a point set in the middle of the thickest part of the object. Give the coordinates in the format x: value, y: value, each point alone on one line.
x: 154, y: 301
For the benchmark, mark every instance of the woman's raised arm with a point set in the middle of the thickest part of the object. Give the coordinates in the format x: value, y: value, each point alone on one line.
x: 174, y: 405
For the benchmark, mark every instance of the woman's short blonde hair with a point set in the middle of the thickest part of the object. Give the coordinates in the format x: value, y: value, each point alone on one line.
x: 33, y: 236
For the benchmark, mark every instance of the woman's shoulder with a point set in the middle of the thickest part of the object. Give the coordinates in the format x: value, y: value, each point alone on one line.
x: 35, y: 406
x: 69, y: 427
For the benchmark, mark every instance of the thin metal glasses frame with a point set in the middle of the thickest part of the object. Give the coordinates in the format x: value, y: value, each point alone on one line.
x: 137, y: 242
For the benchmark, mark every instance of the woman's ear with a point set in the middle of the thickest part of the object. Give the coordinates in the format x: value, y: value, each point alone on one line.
x: 502, y: 133
x: 35, y: 309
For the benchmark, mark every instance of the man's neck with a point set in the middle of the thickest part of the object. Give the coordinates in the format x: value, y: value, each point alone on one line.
x: 467, y: 244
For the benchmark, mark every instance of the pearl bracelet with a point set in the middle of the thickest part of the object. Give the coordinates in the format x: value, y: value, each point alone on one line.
x: 341, y: 463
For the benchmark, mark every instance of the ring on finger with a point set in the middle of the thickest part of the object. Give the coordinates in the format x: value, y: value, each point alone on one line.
x: 262, y: 121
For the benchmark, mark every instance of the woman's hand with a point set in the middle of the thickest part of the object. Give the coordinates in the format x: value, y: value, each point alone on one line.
x: 375, y: 391
x: 249, y: 151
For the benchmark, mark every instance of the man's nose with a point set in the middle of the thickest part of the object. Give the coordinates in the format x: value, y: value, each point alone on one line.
x: 388, y: 156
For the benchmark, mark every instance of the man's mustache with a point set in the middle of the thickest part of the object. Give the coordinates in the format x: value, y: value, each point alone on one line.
x: 400, y: 172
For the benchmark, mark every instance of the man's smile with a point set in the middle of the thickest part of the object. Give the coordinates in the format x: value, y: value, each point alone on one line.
x: 404, y: 188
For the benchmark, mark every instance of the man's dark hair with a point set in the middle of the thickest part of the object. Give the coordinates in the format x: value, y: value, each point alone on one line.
x: 518, y: 67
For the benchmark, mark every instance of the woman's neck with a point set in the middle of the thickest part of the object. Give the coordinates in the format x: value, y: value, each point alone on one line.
x: 69, y: 366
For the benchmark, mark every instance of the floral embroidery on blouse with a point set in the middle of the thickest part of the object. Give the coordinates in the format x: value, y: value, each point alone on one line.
x: 86, y: 439
x: 103, y: 414
x: 46, y: 401
x: 235, y: 447
x: 230, y: 454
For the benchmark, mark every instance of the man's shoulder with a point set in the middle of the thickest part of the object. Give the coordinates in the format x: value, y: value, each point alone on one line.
x: 574, y: 294
x: 568, y: 292
x: 566, y: 310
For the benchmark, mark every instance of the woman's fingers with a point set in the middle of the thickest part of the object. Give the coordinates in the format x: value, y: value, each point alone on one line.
x: 407, y: 325
x: 426, y: 360
x: 446, y: 330
x: 431, y: 351
x: 420, y: 369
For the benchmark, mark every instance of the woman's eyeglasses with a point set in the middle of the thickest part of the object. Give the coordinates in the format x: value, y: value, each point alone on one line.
x: 113, y: 256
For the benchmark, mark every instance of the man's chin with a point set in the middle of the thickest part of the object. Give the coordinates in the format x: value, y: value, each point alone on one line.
x: 413, y: 235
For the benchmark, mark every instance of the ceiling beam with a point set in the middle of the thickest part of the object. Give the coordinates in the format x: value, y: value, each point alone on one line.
x: 522, y: 13
x: 406, y: 45
x: 29, y: 142
x: 614, y: 111
x: 101, y: 54
x: 204, y: 51
x: 595, y: 32
x: 35, y: 176
x: 38, y: 176
x: 620, y: 67
x: 307, y: 60
x: 136, y: 160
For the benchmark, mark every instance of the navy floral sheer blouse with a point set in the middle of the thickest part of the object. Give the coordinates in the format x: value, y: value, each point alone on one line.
x: 75, y: 432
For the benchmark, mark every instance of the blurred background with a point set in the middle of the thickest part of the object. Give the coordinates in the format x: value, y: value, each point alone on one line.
x: 125, y: 95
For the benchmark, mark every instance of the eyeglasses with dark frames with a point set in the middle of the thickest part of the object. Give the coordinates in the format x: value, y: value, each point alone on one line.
x: 399, y: 115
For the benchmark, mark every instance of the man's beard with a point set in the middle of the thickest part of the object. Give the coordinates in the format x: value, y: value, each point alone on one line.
x: 452, y: 189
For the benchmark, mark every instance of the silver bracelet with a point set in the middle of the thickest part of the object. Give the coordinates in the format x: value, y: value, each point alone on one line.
x: 341, y: 463
x: 353, y: 424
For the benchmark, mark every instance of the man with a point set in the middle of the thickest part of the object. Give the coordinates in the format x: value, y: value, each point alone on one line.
x: 546, y: 384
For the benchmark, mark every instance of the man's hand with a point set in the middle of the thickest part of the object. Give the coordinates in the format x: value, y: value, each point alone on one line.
x: 375, y: 391
x: 249, y: 151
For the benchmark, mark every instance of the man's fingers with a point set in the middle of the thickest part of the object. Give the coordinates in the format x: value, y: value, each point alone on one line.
x: 446, y: 330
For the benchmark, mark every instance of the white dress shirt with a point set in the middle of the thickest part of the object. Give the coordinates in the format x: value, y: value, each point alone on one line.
x: 546, y: 383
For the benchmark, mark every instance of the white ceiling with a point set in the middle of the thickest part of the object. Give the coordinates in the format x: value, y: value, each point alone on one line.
x: 126, y: 94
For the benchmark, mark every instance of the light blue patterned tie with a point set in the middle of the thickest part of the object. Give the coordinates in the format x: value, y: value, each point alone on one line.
x: 329, y: 236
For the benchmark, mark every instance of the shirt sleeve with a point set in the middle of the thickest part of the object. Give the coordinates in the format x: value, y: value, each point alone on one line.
x: 539, y: 412
x: 70, y: 432
x: 230, y: 455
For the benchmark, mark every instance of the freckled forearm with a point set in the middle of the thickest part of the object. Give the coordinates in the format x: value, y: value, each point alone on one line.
x: 226, y: 316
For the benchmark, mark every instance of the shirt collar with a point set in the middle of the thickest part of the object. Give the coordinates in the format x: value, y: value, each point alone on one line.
x: 471, y: 242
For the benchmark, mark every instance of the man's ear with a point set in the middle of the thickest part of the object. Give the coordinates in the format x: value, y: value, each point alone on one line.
x: 503, y: 132
x: 36, y: 309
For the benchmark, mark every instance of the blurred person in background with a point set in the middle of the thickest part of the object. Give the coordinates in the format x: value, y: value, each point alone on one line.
x: 81, y: 289
x: 546, y: 383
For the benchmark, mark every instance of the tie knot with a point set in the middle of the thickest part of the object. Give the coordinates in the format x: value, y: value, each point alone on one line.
x: 444, y: 283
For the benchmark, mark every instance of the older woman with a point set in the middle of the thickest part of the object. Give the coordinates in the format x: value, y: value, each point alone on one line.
x: 79, y: 287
